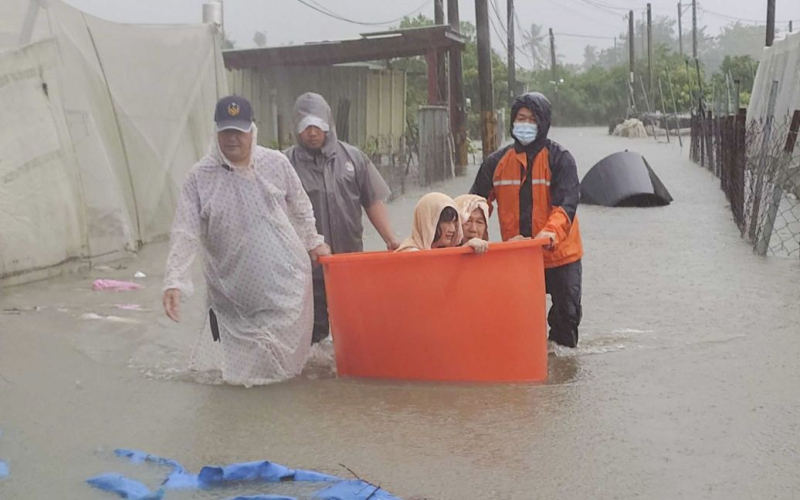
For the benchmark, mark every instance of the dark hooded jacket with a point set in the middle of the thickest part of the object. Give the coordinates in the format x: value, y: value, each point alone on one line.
x: 536, y: 186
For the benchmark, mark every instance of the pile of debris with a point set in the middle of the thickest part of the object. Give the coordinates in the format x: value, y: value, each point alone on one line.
x: 630, y: 128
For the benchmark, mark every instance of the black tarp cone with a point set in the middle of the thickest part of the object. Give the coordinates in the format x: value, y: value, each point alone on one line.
x: 623, y: 179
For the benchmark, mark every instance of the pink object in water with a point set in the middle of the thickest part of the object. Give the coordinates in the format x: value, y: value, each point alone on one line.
x: 119, y: 286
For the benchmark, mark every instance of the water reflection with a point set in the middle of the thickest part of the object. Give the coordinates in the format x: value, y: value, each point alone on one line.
x: 563, y: 369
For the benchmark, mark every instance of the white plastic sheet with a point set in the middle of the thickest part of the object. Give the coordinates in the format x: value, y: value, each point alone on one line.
x: 254, y: 227
x: 129, y: 117
x: 780, y: 63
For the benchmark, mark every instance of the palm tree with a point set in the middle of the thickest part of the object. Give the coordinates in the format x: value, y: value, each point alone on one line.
x: 537, y: 45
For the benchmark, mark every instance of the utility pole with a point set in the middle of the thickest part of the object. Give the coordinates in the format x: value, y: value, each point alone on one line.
x: 631, y: 58
x: 770, y: 22
x: 680, y: 31
x: 554, y: 68
x: 512, y: 69
x: 649, y: 49
x: 441, y: 71
x: 694, y: 29
x: 458, y: 112
x: 488, y: 119
x: 553, y: 56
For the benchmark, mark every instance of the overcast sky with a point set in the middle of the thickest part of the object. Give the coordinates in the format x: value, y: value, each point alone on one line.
x: 289, y: 21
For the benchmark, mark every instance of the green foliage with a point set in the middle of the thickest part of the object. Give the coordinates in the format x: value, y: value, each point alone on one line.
x: 596, y: 93
x: 228, y: 43
x: 744, y: 99
x: 417, y: 79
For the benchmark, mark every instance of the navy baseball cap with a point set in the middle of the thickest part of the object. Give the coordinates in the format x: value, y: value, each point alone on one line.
x: 234, y: 112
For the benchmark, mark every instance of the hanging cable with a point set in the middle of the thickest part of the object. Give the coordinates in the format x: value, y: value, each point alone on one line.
x: 324, y: 10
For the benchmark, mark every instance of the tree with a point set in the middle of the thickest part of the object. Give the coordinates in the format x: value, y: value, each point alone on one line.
x: 228, y: 43
x: 742, y: 68
x: 537, y: 44
x: 664, y: 33
x: 590, y: 57
x: 260, y: 39
x: 736, y: 39
x: 417, y: 79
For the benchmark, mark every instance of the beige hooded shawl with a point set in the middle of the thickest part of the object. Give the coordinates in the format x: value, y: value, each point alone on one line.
x: 468, y: 203
x: 426, y: 219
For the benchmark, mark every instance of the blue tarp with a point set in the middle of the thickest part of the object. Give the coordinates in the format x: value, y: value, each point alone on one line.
x: 124, y: 487
x: 335, y: 488
x: 3, y: 465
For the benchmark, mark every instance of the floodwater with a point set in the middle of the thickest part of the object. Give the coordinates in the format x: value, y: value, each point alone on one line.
x: 685, y: 384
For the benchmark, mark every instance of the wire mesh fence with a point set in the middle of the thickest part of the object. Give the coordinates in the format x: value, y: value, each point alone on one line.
x: 758, y: 165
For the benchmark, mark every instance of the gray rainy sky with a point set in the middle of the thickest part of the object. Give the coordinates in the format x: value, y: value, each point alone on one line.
x: 289, y: 21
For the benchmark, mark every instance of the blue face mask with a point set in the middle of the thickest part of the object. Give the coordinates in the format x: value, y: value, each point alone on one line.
x: 525, y: 132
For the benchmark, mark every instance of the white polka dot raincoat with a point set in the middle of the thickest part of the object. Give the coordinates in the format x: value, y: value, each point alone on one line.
x: 254, y: 227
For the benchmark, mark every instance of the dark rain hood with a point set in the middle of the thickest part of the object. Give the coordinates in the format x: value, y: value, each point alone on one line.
x: 542, y: 110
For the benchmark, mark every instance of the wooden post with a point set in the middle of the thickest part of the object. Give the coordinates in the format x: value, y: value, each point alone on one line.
x: 458, y: 112
x: 770, y: 22
x: 553, y: 56
x: 664, y: 107
x: 710, y: 140
x: 694, y: 29
x: 675, y: 106
x: 680, y: 30
x: 649, y: 49
x: 740, y: 126
x: 631, y: 61
x: 488, y: 118
x: 433, y: 78
x: 728, y: 93
x: 649, y: 110
x: 512, y: 68
x: 441, y: 59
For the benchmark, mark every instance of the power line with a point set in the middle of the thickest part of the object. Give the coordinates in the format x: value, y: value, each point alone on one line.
x: 505, y: 46
x: 734, y: 18
x: 519, y: 29
x: 493, y: 3
x: 586, y: 36
x: 606, y: 9
x: 578, y: 13
x: 534, y: 59
x: 324, y: 10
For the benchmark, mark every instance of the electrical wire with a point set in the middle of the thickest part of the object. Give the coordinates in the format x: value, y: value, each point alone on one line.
x: 324, y: 10
x: 734, y: 18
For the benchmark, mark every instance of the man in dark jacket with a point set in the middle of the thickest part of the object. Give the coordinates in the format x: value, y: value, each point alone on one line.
x: 535, y: 184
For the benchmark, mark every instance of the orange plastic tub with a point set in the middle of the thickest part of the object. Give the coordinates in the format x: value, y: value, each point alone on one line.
x: 445, y: 314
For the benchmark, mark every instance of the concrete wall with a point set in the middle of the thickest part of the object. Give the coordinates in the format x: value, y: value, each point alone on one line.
x: 377, y: 101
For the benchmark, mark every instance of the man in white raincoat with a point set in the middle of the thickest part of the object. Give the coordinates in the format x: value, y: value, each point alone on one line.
x: 341, y: 181
x: 245, y: 208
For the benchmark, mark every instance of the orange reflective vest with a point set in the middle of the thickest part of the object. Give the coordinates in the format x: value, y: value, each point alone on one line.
x: 542, y: 210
